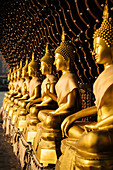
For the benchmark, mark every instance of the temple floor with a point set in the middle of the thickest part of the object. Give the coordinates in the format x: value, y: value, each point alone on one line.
x: 8, y: 160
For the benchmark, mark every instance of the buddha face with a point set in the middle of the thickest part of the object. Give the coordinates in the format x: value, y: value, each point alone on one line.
x: 15, y: 75
x: 18, y: 74
x: 12, y: 76
x: 24, y: 74
x: 44, y: 68
x: 103, y: 53
x: 9, y: 76
x: 60, y: 62
x: 30, y: 71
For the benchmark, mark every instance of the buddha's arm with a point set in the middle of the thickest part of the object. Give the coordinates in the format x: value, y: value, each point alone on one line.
x: 24, y: 97
x: 49, y: 99
x: 52, y: 88
x: 72, y: 118
x: 69, y: 104
x: 105, y: 122
x: 52, y: 95
x: 50, y: 92
x: 36, y: 94
x: 18, y: 95
x: 102, y: 124
x: 13, y: 94
x: 46, y: 101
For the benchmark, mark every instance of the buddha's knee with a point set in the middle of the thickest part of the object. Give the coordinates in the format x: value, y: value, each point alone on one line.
x: 34, y: 110
x: 96, y: 141
x: 88, y: 142
x: 75, y: 132
x: 19, y: 103
x: 52, y: 122
x: 23, y: 104
x: 16, y: 101
x: 12, y: 99
x: 42, y: 115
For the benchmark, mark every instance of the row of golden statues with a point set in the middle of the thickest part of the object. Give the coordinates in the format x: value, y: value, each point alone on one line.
x: 47, y: 112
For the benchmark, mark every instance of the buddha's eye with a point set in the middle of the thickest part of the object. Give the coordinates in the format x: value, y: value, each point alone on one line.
x: 97, y: 45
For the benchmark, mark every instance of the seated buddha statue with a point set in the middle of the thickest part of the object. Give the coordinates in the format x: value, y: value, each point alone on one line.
x: 10, y: 87
x: 34, y: 92
x: 24, y: 89
x: 13, y: 91
x: 11, y: 84
x: 7, y: 98
x: 25, y: 85
x: 68, y: 99
x: 18, y: 86
x: 44, y: 102
x: 20, y: 81
x: 90, y: 144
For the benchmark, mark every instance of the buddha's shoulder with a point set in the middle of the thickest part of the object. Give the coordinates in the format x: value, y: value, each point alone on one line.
x: 52, y: 78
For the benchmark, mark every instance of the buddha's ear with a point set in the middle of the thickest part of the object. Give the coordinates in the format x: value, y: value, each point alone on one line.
x: 50, y: 68
x: 35, y: 73
x: 68, y: 64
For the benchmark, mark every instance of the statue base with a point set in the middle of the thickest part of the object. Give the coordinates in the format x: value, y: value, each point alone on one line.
x: 48, y: 147
x: 94, y: 164
x: 73, y: 158
x: 14, y: 117
x: 46, y: 153
x: 30, y: 133
x: 21, y: 122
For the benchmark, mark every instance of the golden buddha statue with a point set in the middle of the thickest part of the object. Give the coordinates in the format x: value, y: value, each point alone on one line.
x: 24, y: 89
x: 34, y: 92
x: 89, y: 144
x: 20, y: 81
x: 18, y: 88
x: 9, y: 103
x: 25, y: 85
x: 6, y: 99
x: 10, y: 87
x: 13, y: 90
x: 44, y: 102
x: 68, y: 99
x: 11, y: 81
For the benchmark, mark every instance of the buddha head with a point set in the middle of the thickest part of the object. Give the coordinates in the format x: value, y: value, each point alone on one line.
x: 19, y: 71
x: 103, y: 40
x: 12, y: 74
x: 9, y: 76
x: 33, y: 67
x: 25, y: 70
x: 64, y: 54
x: 15, y: 73
x: 46, y: 62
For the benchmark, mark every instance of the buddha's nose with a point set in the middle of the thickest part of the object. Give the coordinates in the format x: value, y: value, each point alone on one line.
x: 93, y: 52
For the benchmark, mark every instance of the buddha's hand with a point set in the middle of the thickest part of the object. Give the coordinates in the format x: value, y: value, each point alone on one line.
x: 28, y: 105
x: 65, y: 124
x: 89, y: 128
x: 47, y: 88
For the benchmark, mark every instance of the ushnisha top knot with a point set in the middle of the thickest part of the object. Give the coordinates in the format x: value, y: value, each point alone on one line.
x: 106, y: 29
x: 47, y: 58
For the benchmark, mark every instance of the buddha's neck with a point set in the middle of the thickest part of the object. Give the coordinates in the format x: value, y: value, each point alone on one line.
x: 107, y: 65
x: 65, y: 71
x: 26, y: 78
x: 33, y: 77
x: 47, y: 75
